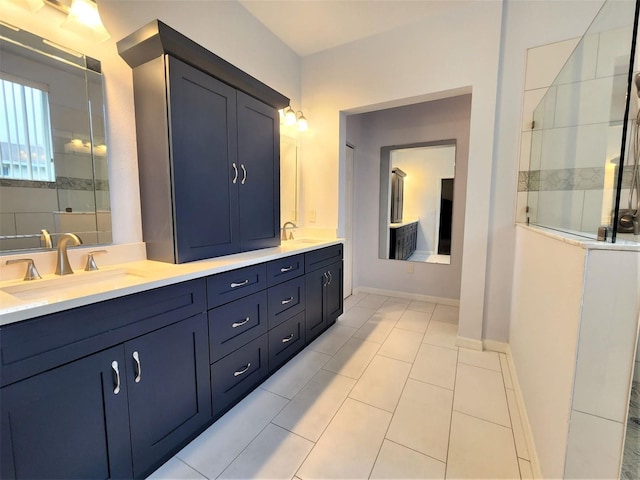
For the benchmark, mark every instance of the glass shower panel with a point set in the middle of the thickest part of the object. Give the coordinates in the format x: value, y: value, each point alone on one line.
x: 578, y: 126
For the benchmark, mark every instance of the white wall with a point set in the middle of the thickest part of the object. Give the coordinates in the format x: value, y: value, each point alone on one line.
x: 454, y: 49
x: 225, y: 28
x: 425, y: 122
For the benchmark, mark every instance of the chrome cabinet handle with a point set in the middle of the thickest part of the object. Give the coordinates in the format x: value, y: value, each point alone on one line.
x: 136, y: 357
x: 240, y: 372
x: 288, y: 339
x: 116, y: 377
x: 244, y: 174
x: 239, y: 324
x: 235, y: 173
x: 241, y: 284
x: 330, y: 278
x: 326, y: 279
x: 287, y: 300
x: 286, y: 269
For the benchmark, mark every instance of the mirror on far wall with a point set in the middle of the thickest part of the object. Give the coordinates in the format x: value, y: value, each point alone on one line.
x: 416, y: 201
x: 288, y: 179
x: 53, y: 172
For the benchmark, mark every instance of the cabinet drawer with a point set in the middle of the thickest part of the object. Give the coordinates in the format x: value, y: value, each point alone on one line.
x: 322, y: 257
x: 284, y: 269
x: 286, y: 300
x: 286, y: 340
x: 236, y: 374
x: 228, y: 286
x: 236, y: 323
x: 45, y: 342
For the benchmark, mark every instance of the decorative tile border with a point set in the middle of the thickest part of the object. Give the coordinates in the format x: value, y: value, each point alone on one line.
x: 64, y: 183
x: 567, y: 179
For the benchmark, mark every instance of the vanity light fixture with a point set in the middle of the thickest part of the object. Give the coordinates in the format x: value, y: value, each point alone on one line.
x: 83, y: 17
x: 290, y: 118
x: 302, y: 121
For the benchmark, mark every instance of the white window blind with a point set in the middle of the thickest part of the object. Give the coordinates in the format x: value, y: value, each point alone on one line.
x: 26, y: 151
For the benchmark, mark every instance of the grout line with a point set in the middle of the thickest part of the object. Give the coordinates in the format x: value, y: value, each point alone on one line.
x: 182, y: 461
x: 484, y: 368
x: 453, y: 400
x: 414, y: 450
x: 483, y: 419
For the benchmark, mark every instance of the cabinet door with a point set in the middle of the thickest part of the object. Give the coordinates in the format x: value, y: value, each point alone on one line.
x: 315, y: 314
x: 69, y: 422
x: 204, y: 167
x: 169, y: 390
x: 333, y: 293
x: 259, y: 163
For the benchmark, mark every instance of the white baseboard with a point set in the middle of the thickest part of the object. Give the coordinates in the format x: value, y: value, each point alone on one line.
x: 470, y: 343
x: 526, y: 426
x: 495, y: 346
x: 411, y: 296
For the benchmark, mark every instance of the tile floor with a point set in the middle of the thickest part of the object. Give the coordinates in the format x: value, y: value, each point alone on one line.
x: 384, y: 393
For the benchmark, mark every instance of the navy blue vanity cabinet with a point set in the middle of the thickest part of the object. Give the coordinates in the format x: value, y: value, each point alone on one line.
x: 208, y: 149
x: 324, y: 289
x: 69, y: 422
x: 108, y: 390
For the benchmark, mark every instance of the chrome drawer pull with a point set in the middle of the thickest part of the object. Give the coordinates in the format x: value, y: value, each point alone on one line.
x: 235, y: 170
x: 116, y: 374
x: 136, y: 357
x: 239, y: 324
x: 286, y: 269
x: 240, y: 372
x: 287, y: 300
x: 244, y: 174
x: 330, y: 277
x: 241, y: 284
x: 288, y: 339
x: 326, y: 279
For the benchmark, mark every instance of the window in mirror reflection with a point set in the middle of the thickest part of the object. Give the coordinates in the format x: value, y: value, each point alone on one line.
x: 25, y: 134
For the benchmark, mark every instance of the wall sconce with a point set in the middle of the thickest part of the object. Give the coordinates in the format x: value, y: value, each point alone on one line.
x: 292, y: 118
x: 83, y: 17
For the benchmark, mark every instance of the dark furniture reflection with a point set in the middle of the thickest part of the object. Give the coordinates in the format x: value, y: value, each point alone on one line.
x: 403, y: 240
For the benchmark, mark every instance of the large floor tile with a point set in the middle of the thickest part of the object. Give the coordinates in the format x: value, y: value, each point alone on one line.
x: 395, y: 461
x: 311, y: 410
x: 294, y: 375
x: 356, y: 317
x: 392, y: 309
x: 414, y: 321
x: 274, y: 454
x: 352, y: 359
x: 376, y: 329
x: 441, y: 334
x: 526, y: 472
x: 333, y: 339
x: 213, y: 450
x: 435, y: 365
x: 402, y: 345
x: 426, y: 307
x: 484, y: 359
x: 382, y: 382
x: 480, y: 449
x: 373, y: 301
x: 480, y: 392
x: 446, y: 314
x: 422, y: 417
x: 350, y: 445
x: 176, y: 469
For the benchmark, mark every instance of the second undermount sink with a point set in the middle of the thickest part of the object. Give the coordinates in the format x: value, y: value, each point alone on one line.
x: 53, y: 287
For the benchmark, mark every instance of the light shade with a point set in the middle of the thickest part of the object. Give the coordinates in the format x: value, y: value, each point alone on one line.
x: 84, y: 20
x: 302, y: 122
x: 289, y: 116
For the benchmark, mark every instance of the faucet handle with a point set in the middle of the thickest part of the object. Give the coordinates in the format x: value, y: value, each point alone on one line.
x: 91, y: 263
x: 32, y: 271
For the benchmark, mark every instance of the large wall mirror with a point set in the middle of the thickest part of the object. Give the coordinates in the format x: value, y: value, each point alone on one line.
x: 416, y: 201
x: 53, y: 172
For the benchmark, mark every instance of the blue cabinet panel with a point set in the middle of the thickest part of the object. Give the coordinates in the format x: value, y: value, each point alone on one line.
x: 235, y: 284
x: 286, y: 340
x: 284, y: 269
x: 286, y: 300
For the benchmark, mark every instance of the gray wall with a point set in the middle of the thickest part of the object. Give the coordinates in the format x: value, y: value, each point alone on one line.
x: 424, y: 122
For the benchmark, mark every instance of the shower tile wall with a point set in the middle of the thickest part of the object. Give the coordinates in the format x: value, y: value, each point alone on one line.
x: 574, y: 156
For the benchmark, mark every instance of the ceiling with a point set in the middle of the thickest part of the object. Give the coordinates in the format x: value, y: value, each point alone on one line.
x: 310, y: 26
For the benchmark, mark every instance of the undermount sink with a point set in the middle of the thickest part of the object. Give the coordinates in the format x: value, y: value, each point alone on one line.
x: 74, y: 285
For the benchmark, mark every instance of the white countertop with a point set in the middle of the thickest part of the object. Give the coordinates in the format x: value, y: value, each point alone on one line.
x: 621, y: 244
x: 21, y: 300
x: 402, y: 224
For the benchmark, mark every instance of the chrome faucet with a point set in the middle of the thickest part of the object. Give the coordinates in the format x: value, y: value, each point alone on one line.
x: 62, y: 264
x: 284, y: 230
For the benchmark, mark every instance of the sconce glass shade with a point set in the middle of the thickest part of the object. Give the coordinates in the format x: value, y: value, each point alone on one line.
x: 302, y: 122
x: 289, y: 117
x: 84, y: 19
